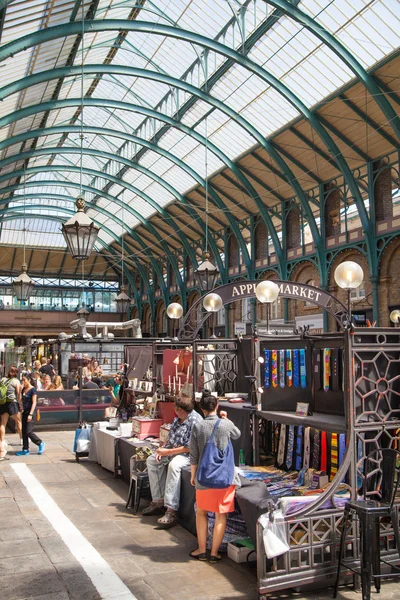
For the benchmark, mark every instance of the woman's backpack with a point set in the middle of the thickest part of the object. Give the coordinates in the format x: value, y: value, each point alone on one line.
x: 3, y: 390
x: 217, y: 467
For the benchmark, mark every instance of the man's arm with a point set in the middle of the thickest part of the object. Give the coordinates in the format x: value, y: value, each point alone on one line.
x: 172, y: 451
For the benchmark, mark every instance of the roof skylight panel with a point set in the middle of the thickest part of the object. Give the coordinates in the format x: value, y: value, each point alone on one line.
x: 196, y: 160
x: 150, y: 158
x: 206, y: 22
x: 181, y: 180
x: 105, y: 237
x: 158, y: 193
x: 196, y: 112
x: 173, y: 10
x: 186, y: 145
x: 137, y: 179
x: 232, y: 139
x: 167, y: 53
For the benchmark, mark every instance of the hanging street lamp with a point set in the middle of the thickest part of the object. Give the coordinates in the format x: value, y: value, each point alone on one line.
x: 123, y: 301
x: 80, y: 233
x: 22, y: 286
x: 206, y: 274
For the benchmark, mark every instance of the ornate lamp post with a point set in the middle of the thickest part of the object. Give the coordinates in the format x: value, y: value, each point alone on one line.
x: 266, y: 293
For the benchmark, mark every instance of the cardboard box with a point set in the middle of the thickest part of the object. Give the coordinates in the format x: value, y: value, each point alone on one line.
x: 142, y: 427
x: 238, y: 552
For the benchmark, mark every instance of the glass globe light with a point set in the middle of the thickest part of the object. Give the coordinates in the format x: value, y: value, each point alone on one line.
x: 349, y: 275
x: 267, y: 291
x: 395, y: 316
x: 212, y: 302
x: 174, y: 310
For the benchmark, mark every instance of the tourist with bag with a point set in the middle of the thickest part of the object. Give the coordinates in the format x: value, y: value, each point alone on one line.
x: 29, y: 416
x: 213, y: 474
x: 10, y: 390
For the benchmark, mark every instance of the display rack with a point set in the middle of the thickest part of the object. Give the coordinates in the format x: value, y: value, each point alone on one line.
x: 370, y: 392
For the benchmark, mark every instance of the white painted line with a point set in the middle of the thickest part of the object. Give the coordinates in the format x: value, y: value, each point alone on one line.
x: 105, y: 580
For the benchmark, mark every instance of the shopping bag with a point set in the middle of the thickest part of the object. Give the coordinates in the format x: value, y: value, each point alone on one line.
x: 37, y: 418
x: 83, y: 441
x: 274, y: 534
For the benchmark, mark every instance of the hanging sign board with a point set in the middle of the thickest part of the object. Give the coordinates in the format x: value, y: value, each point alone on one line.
x: 287, y: 289
x: 240, y: 328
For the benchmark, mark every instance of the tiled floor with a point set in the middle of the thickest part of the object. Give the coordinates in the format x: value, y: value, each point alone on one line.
x: 35, y: 564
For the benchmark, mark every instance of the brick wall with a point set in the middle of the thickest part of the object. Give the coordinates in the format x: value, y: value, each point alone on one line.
x: 305, y: 272
x: 383, y: 193
x: 293, y: 233
x: 332, y: 211
x: 260, y: 241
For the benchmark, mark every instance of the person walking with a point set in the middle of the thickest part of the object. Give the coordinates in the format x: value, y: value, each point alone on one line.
x: 29, y: 399
x: 10, y: 408
x: 212, y: 437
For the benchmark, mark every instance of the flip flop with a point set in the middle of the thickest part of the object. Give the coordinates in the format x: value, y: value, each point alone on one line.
x: 214, y: 559
x: 202, y: 556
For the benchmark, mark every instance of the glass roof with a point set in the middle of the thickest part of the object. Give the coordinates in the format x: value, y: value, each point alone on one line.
x: 158, y: 162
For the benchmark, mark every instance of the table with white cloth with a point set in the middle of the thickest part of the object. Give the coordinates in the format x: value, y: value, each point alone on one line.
x: 102, y: 444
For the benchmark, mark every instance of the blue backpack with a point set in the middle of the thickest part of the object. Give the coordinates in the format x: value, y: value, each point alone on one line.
x: 217, y: 467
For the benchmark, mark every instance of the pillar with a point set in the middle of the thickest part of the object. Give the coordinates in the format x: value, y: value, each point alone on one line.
x: 253, y: 305
x: 227, y: 326
x: 375, y: 299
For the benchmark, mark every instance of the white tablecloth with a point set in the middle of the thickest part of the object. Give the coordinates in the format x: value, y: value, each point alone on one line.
x: 102, y: 447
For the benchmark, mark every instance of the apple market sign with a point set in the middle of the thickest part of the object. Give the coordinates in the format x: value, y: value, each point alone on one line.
x: 239, y: 290
x: 298, y: 291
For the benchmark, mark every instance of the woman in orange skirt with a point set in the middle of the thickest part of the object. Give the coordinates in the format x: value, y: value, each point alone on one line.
x: 218, y: 501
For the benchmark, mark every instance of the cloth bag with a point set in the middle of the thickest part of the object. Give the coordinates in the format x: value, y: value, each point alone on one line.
x: 274, y: 534
x: 217, y: 467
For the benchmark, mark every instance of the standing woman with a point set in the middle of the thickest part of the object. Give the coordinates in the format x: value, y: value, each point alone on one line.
x: 11, y: 406
x: 219, y: 500
x: 29, y: 399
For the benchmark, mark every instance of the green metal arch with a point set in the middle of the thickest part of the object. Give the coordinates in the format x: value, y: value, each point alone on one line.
x: 64, y: 197
x: 166, y: 30
x: 108, y: 197
x: 11, y: 217
x: 122, y: 183
x: 341, y: 51
x: 59, y: 104
x: 101, y: 131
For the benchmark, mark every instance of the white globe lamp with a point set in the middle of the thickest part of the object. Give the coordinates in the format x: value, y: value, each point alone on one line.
x: 395, y: 316
x: 349, y: 276
x: 267, y: 292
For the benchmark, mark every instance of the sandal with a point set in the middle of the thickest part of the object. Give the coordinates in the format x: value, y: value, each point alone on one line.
x: 214, y: 559
x: 154, y: 508
x: 168, y: 520
x: 202, y: 556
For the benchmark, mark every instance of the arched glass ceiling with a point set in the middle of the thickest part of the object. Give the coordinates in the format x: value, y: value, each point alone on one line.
x: 264, y: 32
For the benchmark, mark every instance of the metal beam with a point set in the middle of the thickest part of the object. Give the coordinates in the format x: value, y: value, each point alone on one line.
x: 368, y: 121
x: 289, y: 9
x: 10, y: 216
x: 159, y: 116
x: 94, y: 207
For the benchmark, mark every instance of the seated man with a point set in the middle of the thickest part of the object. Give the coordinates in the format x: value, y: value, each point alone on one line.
x: 164, y: 467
